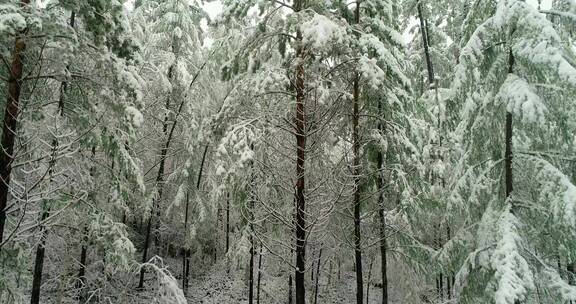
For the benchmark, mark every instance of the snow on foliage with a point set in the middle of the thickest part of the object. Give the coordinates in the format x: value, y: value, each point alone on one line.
x: 135, y: 116
x: 513, y: 275
x: 370, y: 43
x: 556, y: 192
x: 167, y: 287
x: 370, y: 71
x: 521, y: 100
x: 320, y: 32
x: 11, y: 22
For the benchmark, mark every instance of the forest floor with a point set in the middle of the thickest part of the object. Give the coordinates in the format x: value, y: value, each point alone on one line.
x: 217, y: 286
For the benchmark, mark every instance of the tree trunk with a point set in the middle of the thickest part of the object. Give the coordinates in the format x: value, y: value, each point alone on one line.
x: 425, y: 43
x: 251, y: 267
x: 185, y: 251
x: 300, y: 123
x: 252, y: 247
x: 508, y: 178
x: 41, y: 249
x: 330, y: 273
x: 39, y: 260
x: 317, y: 276
x: 82, y: 274
x: 382, y: 217
x: 290, y: 289
x: 227, y: 222
x: 11, y: 121
x: 357, y: 172
x: 187, y: 254
x: 259, y: 275
x: 160, y: 185
x: 368, y: 283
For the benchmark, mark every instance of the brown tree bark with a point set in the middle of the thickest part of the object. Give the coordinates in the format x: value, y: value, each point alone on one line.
x: 10, y: 125
x: 300, y: 122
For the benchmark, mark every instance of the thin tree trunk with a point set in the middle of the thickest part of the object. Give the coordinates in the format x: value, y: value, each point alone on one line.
x: 39, y: 260
x: 11, y: 121
x: 185, y: 251
x: 357, y: 172
x: 382, y: 217
x: 41, y: 249
x: 198, y: 182
x: 368, y: 283
x: 251, y: 278
x: 425, y: 43
x: 330, y: 273
x: 570, y: 274
x: 259, y: 275
x: 312, y: 271
x: 252, y: 249
x: 82, y: 273
x: 227, y: 222
x: 382, y: 229
x: 317, y: 275
x: 508, y: 177
x: 290, y: 289
x: 160, y: 185
x: 300, y: 123
x: 81, y: 283
x: 339, y: 269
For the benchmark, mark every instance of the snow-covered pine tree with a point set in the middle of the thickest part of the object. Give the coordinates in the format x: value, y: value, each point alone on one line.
x: 513, y: 82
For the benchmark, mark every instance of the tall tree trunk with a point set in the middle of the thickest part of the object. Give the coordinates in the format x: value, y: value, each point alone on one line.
x: 317, y: 276
x: 11, y: 121
x: 259, y: 275
x: 425, y: 43
x: 508, y: 178
x: 357, y: 172
x: 252, y: 249
x: 300, y: 123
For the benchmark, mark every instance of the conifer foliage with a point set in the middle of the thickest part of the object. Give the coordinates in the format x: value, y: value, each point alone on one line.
x: 288, y: 151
